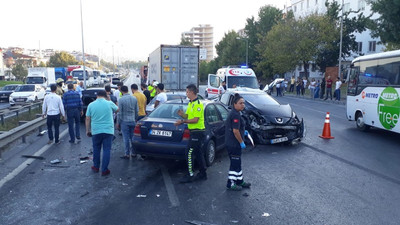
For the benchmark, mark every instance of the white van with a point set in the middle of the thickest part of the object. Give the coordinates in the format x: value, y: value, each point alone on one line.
x: 234, y: 77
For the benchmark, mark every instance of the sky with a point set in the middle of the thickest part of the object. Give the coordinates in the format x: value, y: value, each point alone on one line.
x: 134, y: 28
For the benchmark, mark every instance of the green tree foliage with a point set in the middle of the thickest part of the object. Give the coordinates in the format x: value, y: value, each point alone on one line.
x: 387, y: 26
x: 351, y: 25
x: 109, y: 66
x: 134, y: 64
x: 62, y: 59
x: 186, y: 42
x: 297, y: 41
x: 42, y: 64
x: 20, y: 72
x: 206, y: 68
x: 230, y: 50
x: 256, y: 30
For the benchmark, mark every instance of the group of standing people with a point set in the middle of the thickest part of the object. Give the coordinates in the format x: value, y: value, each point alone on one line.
x: 317, y: 89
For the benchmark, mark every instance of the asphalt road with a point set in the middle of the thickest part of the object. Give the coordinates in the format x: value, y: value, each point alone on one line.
x: 352, y: 179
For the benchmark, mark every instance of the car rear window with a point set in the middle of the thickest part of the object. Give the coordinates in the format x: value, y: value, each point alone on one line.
x: 168, y: 111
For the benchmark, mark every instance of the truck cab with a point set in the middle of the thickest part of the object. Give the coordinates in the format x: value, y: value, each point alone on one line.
x: 234, y: 76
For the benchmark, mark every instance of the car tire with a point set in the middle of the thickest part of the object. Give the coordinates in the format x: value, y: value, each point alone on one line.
x: 360, y: 122
x: 210, y: 152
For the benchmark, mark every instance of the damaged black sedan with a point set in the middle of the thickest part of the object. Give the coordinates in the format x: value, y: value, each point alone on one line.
x: 267, y: 120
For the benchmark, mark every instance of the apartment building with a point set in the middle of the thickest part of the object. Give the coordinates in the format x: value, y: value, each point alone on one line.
x: 366, y: 44
x: 202, y: 36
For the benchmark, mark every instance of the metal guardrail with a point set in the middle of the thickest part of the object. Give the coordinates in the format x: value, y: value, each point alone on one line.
x: 20, y: 131
x: 18, y: 110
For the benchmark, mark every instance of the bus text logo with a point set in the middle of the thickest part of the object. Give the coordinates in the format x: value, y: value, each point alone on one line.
x: 369, y: 95
x: 389, y: 108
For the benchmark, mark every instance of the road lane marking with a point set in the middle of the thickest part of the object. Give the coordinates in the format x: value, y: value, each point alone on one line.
x: 25, y: 164
x: 173, y: 197
x: 332, y: 115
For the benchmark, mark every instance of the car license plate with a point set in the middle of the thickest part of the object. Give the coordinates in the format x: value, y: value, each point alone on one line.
x: 19, y: 100
x: 163, y: 133
x: 279, y: 140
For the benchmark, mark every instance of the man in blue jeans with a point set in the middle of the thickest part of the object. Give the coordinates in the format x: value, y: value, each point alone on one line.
x: 100, y: 126
x: 127, y: 115
x: 73, y: 105
x: 52, y: 108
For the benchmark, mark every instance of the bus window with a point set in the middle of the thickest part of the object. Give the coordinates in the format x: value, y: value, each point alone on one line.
x: 353, y: 79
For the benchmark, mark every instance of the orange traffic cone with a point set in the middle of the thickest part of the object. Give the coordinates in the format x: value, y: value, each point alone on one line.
x: 326, y: 133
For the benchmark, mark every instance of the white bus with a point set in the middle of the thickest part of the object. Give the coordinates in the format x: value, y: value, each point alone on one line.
x: 373, y: 91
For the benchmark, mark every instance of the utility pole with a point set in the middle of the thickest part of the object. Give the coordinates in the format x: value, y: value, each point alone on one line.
x: 83, y: 52
x: 341, y: 39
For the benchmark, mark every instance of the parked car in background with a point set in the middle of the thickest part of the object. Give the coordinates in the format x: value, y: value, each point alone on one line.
x: 27, y: 93
x: 267, y: 120
x: 6, y: 91
x: 114, y: 82
x: 88, y: 96
x: 156, y: 135
x: 270, y: 87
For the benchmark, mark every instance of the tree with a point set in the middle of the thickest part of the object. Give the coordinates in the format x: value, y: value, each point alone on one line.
x: 20, y: 72
x: 351, y: 25
x: 387, y: 26
x: 297, y: 41
x: 230, y: 50
x: 62, y: 59
x: 186, y: 42
x: 42, y: 64
x: 256, y: 30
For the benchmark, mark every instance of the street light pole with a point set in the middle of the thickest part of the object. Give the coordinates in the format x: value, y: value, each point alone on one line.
x: 113, y: 61
x: 341, y: 39
x: 83, y: 51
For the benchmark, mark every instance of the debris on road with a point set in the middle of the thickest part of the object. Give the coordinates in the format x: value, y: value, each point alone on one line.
x: 86, y: 193
x: 234, y: 221
x: 195, y: 222
x: 265, y: 214
x: 84, y: 158
x: 157, y: 195
x: 33, y: 156
x: 83, y: 161
x: 141, y: 196
x: 42, y: 133
x: 56, y: 161
x: 246, y: 194
x: 58, y: 166
x: 124, y: 184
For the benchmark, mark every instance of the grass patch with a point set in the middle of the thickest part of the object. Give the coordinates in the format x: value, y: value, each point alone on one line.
x: 12, y: 122
x: 6, y: 82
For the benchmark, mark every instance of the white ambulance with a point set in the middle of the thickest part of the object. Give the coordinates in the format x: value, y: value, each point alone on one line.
x: 234, y: 76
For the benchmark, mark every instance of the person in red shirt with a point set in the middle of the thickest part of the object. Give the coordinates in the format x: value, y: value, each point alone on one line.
x: 328, y: 88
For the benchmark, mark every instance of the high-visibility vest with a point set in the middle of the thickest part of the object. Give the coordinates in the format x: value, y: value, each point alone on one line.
x: 152, y: 91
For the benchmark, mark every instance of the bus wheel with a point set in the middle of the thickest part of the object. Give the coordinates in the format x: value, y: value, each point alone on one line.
x: 360, y: 122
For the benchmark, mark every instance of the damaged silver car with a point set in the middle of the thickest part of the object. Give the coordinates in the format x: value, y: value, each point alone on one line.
x: 267, y: 120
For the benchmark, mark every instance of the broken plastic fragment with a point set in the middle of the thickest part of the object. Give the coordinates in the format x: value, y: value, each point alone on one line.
x: 83, y: 161
x: 265, y: 214
x: 56, y: 161
x: 141, y: 196
x: 124, y: 184
x: 158, y: 195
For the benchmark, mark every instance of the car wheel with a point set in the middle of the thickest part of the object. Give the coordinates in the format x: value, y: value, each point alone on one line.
x: 210, y: 153
x: 360, y: 122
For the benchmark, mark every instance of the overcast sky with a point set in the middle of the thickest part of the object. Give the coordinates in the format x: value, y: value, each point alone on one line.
x: 135, y: 28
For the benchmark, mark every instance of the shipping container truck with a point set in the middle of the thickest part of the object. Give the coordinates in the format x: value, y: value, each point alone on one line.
x: 175, y: 66
x: 41, y: 75
x: 61, y: 72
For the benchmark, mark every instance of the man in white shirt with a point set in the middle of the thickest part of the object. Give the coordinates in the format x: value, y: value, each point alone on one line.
x: 222, y: 88
x: 337, y: 89
x: 52, y: 108
x: 161, y: 96
x: 118, y: 93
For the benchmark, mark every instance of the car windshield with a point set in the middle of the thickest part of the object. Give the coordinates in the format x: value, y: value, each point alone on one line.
x: 260, y: 99
x: 79, y: 74
x: 9, y: 88
x: 25, y: 88
x: 241, y: 81
x: 168, y: 111
x: 34, y: 80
